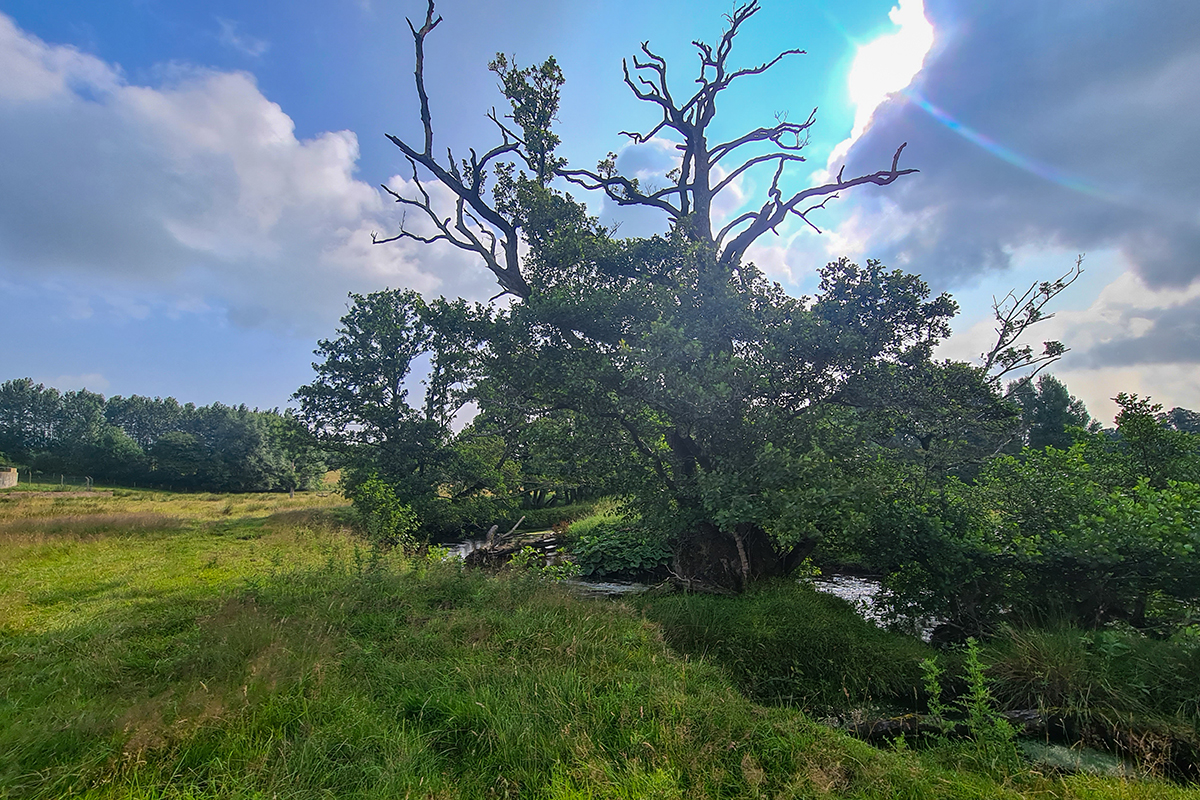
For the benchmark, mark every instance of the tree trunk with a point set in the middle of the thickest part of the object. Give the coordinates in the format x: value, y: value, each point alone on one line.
x: 710, y: 559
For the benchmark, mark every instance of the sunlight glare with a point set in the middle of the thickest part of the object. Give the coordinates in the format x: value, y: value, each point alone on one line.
x: 888, y: 64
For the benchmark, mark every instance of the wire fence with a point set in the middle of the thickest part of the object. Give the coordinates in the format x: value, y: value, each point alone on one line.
x: 36, y: 477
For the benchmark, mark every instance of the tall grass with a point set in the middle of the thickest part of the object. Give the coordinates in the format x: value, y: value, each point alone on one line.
x: 785, y: 642
x: 1113, y: 688
x: 200, y: 662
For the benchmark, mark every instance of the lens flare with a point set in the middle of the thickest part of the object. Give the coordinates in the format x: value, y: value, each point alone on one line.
x: 1030, y: 165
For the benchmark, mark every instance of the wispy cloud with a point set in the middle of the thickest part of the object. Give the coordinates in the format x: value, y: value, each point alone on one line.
x: 243, y: 43
x: 92, y: 381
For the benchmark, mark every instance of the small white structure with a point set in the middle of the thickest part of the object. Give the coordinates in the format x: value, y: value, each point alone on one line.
x: 8, y: 477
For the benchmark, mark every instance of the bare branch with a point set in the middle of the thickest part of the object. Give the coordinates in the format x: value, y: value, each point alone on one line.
x: 774, y: 135
x: 776, y: 210
x: 804, y: 214
x: 419, y: 39
x: 1014, y: 316
x: 749, y: 215
x: 753, y: 162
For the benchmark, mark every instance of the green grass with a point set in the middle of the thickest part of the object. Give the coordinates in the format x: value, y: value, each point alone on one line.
x: 785, y: 642
x: 262, y: 654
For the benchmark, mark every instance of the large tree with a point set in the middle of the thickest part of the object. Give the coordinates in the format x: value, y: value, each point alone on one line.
x: 728, y: 393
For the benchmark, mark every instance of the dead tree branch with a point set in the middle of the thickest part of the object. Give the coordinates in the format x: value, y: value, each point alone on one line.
x: 476, y: 225
x: 1015, y: 314
x: 697, y: 181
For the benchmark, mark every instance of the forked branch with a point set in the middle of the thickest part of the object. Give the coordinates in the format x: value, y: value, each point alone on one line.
x: 689, y: 200
x: 1015, y: 314
x: 476, y: 225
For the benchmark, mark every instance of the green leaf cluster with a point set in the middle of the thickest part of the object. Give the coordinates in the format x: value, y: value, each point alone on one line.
x: 617, y: 547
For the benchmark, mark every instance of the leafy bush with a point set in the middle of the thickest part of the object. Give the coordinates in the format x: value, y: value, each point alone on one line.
x: 529, y: 559
x: 606, y: 545
x: 1040, y: 538
x: 383, y: 519
x: 993, y: 740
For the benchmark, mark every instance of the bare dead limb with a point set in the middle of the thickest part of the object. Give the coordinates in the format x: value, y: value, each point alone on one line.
x: 477, y: 224
x: 689, y: 201
x: 475, y: 219
x: 1015, y: 314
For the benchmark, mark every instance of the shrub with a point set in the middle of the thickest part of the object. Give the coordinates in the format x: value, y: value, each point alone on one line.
x: 383, y: 519
x: 604, y: 546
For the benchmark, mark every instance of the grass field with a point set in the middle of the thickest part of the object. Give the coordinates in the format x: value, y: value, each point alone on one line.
x: 185, y: 646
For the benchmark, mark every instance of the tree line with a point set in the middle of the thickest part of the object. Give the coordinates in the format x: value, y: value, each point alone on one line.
x: 153, y: 441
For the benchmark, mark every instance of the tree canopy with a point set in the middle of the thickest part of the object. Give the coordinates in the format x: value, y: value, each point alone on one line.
x: 724, y: 396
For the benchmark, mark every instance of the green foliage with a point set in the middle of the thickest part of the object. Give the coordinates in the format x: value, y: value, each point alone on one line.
x: 994, y: 736
x: 1049, y: 413
x: 993, y: 747
x: 931, y: 681
x: 539, y: 519
x: 1152, y: 448
x: 529, y: 560
x: 1079, y: 534
x: 605, y: 546
x: 383, y: 519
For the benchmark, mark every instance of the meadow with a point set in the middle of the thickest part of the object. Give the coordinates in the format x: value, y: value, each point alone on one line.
x: 157, y: 645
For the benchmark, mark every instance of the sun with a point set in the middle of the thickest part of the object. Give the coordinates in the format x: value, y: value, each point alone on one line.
x: 888, y: 64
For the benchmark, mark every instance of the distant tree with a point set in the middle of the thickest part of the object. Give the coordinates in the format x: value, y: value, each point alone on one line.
x: 1049, y: 412
x: 27, y: 418
x: 144, y: 419
x: 359, y: 403
x: 1154, y: 450
x: 1181, y: 419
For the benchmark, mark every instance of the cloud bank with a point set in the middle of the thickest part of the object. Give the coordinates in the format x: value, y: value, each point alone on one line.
x: 1046, y: 124
x: 195, y: 193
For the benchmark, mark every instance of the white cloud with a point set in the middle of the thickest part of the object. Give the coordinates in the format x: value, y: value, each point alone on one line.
x: 92, y: 381
x: 247, y: 45
x: 193, y: 194
x: 883, y: 67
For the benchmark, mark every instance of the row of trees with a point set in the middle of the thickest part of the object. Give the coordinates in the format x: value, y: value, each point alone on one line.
x: 152, y: 441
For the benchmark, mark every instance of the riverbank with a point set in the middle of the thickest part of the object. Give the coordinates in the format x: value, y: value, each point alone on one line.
x: 266, y: 653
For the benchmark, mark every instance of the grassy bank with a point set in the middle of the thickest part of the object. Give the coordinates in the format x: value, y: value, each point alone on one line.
x: 261, y: 653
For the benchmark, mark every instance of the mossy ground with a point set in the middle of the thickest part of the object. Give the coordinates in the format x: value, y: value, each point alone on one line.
x: 159, y: 646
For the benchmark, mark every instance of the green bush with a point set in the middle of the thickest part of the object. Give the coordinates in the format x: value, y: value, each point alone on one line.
x: 383, y: 519
x: 610, y: 546
x: 1037, y: 539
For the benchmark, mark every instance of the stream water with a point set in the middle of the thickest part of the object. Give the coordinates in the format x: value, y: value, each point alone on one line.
x: 862, y: 593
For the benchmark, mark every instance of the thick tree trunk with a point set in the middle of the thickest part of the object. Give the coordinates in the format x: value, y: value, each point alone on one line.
x: 710, y: 559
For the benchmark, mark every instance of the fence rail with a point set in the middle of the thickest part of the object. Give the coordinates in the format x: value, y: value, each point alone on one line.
x: 27, y: 477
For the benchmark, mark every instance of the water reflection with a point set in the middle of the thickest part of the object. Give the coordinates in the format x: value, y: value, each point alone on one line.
x: 862, y: 593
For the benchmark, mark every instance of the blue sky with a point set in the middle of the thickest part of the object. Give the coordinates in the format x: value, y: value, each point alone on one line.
x: 189, y: 188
